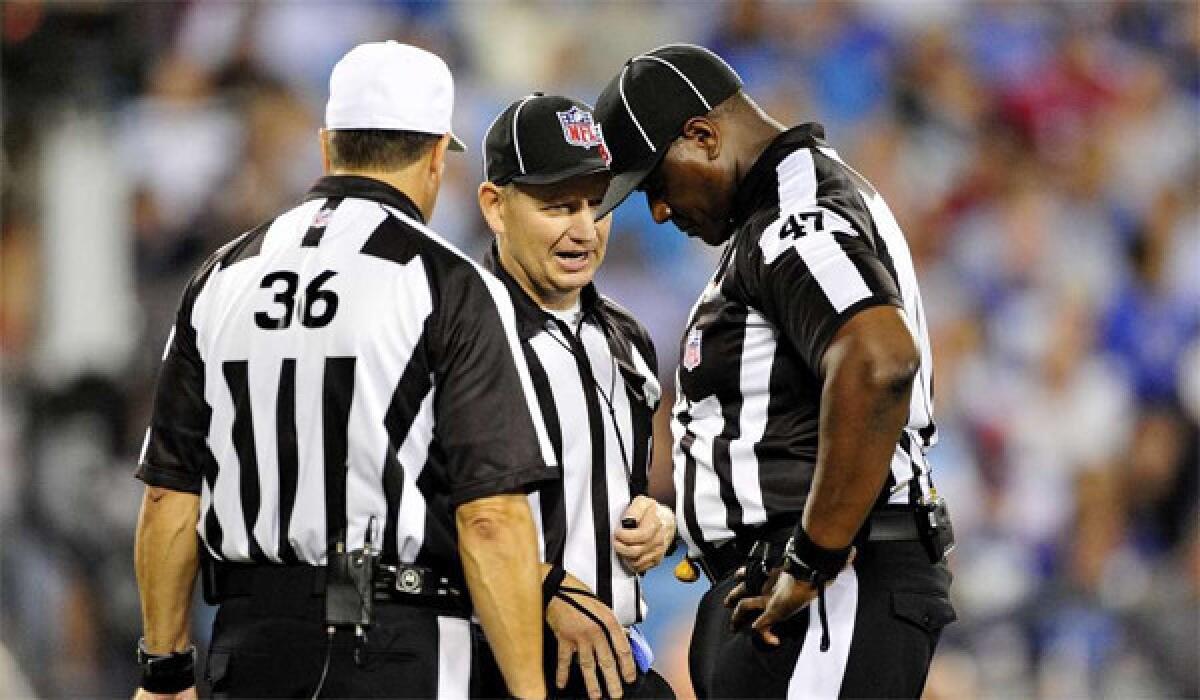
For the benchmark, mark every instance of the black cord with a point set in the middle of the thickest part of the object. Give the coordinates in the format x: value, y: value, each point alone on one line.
x: 612, y: 411
x: 587, y: 613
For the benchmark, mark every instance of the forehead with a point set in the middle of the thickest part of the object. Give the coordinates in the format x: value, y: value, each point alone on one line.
x: 581, y: 187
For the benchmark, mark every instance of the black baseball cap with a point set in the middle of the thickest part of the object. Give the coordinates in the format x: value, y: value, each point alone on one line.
x: 643, y: 109
x: 540, y: 139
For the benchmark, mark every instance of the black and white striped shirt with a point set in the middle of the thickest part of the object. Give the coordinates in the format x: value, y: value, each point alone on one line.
x: 597, y: 388
x: 813, y: 244
x: 338, y: 365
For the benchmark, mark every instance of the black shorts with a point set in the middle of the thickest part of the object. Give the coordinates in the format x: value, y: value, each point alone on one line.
x: 885, y: 618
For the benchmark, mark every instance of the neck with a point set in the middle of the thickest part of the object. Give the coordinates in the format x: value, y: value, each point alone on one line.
x: 757, y: 130
x: 558, y: 301
x: 407, y: 181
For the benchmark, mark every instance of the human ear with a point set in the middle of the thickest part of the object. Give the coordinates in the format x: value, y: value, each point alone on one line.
x: 491, y: 205
x: 437, y: 161
x: 323, y: 136
x: 705, y: 135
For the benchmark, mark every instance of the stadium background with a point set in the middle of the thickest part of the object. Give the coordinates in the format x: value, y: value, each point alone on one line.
x: 1043, y: 159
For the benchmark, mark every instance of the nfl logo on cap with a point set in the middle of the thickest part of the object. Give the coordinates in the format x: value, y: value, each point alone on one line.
x: 579, y: 129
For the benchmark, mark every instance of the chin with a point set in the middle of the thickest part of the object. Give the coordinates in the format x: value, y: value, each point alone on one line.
x: 714, y: 236
x: 573, y: 281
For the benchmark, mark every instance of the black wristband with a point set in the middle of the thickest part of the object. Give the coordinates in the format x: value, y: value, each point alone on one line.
x: 167, y: 673
x: 826, y: 562
x: 551, y: 583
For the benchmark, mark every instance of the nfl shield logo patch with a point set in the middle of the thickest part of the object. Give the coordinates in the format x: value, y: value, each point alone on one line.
x: 579, y: 129
x: 691, y: 350
x: 322, y: 218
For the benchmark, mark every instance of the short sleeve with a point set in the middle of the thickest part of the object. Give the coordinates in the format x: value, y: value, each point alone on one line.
x: 487, y: 419
x: 175, y: 447
x: 809, y: 273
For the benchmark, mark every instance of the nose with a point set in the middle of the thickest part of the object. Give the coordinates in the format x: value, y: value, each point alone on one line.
x: 659, y: 210
x: 583, y: 227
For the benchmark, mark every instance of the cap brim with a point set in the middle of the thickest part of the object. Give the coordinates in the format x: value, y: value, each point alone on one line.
x: 577, y: 170
x: 456, y: 143
x: 622, y: 185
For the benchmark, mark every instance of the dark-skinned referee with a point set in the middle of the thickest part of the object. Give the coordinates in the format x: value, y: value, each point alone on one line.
x: 804, y: 405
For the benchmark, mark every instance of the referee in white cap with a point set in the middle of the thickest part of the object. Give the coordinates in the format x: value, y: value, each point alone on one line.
x: 342, y: 420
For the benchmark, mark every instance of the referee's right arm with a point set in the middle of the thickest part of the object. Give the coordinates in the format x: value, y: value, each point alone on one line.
x: 166, y: 546
x: 502, y: 572
x: 486, y: 423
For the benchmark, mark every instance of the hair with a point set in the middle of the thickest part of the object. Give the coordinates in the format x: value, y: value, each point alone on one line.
x: 378, y: 149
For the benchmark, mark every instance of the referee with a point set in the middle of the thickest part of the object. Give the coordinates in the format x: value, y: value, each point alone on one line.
x: 335, y: 417
x: 594, y: 373
x: 805, y: 383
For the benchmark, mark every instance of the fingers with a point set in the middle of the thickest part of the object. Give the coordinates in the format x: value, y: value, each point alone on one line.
x: 642, y: 559
x: 746, y: 611
x: 739, y: 591
x: 647, y: 531
x: 762, y: 626
x: 625, y: 661
x: 609, y: 670
x: 565, y: 652
x: 587, y: 667
x: 639, y: 506
x: 788, y: 598
x: 601, y: 646
x: 773, y: 612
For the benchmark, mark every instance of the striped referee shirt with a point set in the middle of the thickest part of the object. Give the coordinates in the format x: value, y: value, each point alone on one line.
x: 813, y: 244
x: 338, y: 369
x: 597, y: 387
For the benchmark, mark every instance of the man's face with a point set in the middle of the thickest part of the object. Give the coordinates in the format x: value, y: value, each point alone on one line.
x: 690, y: 189
x: 550, y: 235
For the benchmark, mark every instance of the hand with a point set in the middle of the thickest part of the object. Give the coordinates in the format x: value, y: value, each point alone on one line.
x: 142, y: 694
x: 781, y: 598
x: 578, y: 635
x: 643, y: 547
x: 742, y: 592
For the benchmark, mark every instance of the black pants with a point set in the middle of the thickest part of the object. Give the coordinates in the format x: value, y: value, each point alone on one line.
x: 489, y: 683
x: 276, y: 647
x: 885, y: 618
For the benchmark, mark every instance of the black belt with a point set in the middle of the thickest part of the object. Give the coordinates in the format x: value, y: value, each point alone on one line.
x: 404, y: 584
x: 885, y: 525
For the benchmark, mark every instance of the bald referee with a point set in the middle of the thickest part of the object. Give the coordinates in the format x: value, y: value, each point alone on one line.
x: 805, y: 383
x: 342, y: 418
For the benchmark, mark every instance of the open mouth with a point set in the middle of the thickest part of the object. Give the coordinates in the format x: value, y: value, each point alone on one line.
x: 573, y: 261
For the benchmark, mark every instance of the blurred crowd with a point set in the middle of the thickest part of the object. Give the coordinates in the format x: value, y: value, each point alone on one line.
x: 1043, y: 159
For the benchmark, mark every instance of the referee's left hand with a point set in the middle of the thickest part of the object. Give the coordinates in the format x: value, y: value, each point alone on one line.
x: 643, y: 547
x: 778, y: 601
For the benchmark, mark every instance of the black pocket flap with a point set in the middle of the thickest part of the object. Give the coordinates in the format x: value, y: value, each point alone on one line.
x: 929, y: 612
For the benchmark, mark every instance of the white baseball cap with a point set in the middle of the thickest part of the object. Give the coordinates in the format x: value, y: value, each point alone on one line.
x: 392, y: 86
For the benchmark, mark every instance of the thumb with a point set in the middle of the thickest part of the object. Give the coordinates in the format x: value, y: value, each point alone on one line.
x: 637, y: 507
x: 762, y: 625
